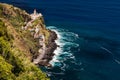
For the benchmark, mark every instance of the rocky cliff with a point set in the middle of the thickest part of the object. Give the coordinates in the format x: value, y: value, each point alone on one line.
x: 20, y: 46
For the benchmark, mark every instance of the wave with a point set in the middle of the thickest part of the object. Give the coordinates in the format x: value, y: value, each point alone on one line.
x: 66, y: 40
x: 117, y: 61
x: 106, y: 50
x: 114, y: 58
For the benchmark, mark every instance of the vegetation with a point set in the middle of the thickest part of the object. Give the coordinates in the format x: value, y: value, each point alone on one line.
x: 43, y: 30
x: 6, y: 70
x: 15, y: 54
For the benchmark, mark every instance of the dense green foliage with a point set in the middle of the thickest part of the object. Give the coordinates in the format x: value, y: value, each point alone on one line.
x: 14, y: 63
x: 5, y: 70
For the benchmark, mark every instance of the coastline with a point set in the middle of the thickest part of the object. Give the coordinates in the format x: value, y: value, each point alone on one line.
x: 36, y: 38
x: 49, y: 52
x: 22, y: 35
x: 45, y: 39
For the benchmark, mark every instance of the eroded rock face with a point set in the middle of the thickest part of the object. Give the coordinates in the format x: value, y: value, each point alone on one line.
x: 48, y: 53
x: 50, y: 49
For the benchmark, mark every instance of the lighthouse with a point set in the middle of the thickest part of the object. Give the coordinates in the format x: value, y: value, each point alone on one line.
x: 35, y: 12
x: 35, y: 15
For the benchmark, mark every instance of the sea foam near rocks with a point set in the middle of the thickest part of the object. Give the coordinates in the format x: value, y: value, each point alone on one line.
x: 65, y: 41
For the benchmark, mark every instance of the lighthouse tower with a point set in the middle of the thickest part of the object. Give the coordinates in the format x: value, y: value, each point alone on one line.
x: 35, y: 12
x: 35, y: 15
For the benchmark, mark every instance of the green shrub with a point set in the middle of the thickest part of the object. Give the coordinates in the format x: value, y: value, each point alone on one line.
x: 5, y: 70
x: 4, y: 47
x: 14, y: 63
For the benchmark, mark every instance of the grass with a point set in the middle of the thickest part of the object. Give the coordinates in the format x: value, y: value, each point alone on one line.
x: 15, y: 61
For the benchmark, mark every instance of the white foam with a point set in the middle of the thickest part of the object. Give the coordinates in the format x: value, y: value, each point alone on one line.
x: 63, y: 67
x: 65, y: 38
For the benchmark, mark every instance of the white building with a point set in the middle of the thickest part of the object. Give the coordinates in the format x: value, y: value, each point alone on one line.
x: 35, y: 15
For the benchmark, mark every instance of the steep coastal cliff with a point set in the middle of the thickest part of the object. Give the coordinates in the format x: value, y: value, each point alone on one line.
x: 24, y: 42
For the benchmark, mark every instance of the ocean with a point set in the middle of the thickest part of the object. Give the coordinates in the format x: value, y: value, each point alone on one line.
x: 88, y: 36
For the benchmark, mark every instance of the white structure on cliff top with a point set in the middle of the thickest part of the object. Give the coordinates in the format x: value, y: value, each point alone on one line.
x: 35, y: 15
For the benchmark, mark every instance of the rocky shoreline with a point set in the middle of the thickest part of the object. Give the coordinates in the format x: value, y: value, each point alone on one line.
x: 49, y: 52
x: 45, y: 39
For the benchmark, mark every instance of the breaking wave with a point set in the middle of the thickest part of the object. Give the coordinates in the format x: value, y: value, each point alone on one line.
x: 66, y: 40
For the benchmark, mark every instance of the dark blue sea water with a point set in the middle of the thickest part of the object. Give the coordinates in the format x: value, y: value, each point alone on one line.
x: 89, y: 37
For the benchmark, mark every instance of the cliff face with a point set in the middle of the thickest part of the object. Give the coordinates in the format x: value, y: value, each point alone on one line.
x: 18, y: 47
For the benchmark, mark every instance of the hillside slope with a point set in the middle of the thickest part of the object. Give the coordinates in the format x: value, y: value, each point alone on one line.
x: 18, y: 47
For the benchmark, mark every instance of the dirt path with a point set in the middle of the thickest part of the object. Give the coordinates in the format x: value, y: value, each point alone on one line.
x: 41, y: 54
x: 36, y: 35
